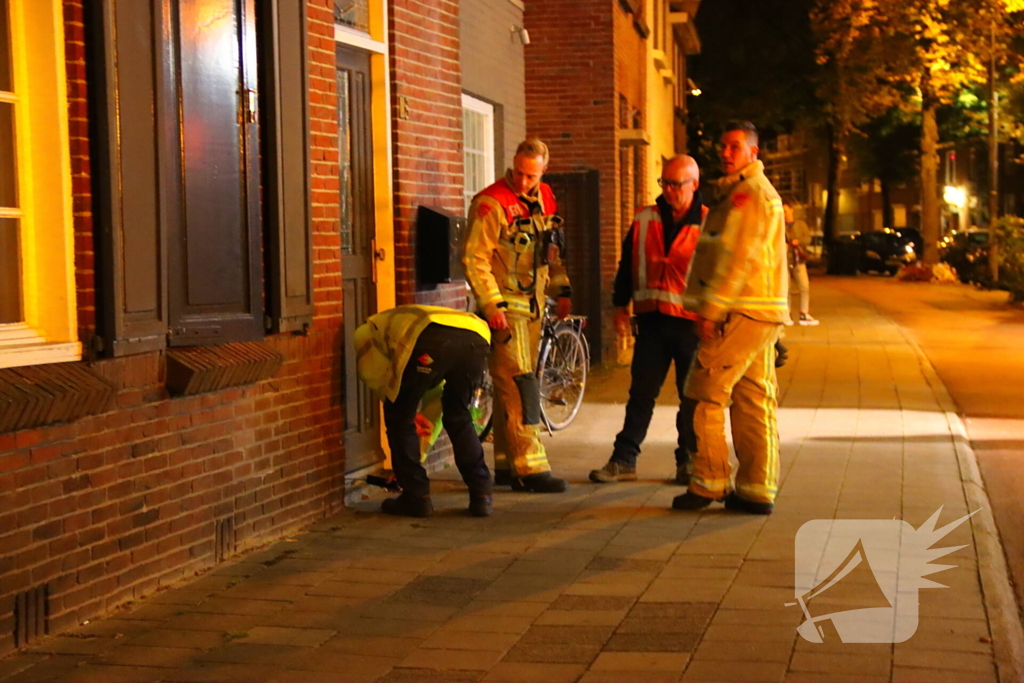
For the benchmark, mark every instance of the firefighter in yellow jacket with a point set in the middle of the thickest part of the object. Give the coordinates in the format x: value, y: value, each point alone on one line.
x: 513, y: 261
x: 739, y: 286
x: 401, y: 354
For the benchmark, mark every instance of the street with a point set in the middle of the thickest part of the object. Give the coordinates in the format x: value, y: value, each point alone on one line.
x: 606, y: 583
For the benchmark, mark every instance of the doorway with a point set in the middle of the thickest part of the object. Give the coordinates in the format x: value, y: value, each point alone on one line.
x: 355, y: 171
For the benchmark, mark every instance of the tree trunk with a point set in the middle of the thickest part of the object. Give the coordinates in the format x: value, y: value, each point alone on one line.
x: 929, y: 179
x: 888, y: 217
x: 832, y: 201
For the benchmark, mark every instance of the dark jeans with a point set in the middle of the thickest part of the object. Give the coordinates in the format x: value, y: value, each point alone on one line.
x: 459, y: 357
x: 660, y: 341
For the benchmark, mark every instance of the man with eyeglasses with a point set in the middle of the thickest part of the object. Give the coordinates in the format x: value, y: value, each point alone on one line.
x: 652, y: 273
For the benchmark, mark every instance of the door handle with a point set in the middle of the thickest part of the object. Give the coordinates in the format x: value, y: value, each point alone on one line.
x: 379, y: 254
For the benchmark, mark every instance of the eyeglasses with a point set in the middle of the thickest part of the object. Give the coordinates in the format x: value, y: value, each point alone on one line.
x: 673, y: 184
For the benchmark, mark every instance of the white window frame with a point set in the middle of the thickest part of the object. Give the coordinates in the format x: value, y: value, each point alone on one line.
x: 486, y: 110
x: 49, y: 330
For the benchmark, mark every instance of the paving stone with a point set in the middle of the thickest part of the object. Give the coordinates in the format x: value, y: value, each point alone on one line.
x: 73, y: 645
x: 525, y: 672
x: 138, y: 655
x: 402, y: 628
x: 562, y: 653
x: 211, y: 622
x: 747, y: 633
x: 281, y: 656
x: 470, y: 660
x: 421, y: 675
x: 260, y: 590
x: 89, y: 673
x: 180, y: 596
x: 574, y: 635
x: 943, y: 659
x: 581, y: 618
x: 632, y: 589
x: 53, y: 668
x: 639, y: 676
x: 488, y: 624
x: 653, y: 642
x: 746, y: 651
x: 625, y: 564
x: 348, y: 589
x: 449, y: 639
x: 511, y: 608
x: 276, y: 635
x: 807, y: 677
x: 197, y: 640
x: 641, y: 661
x: 592, y: 602
x: 416, y: 611
x: 735, y: 672
x: 931, y: 675
x: 224, y: 605
x: 358, y: 666
x: 212, y: 672
x: 841, y: 664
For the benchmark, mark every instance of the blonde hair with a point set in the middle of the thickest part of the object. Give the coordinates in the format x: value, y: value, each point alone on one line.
x: 533, y: 147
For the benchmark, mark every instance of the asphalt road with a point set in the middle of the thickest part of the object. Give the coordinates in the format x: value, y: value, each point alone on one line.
x: 975, y: 341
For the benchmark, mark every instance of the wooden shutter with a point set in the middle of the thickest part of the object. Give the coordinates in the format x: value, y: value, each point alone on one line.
x: 128, y: 72
x: 214, y: 249
x: 283, y: 96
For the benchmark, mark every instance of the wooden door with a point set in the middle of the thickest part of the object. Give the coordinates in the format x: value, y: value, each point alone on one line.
x: 355, y: 170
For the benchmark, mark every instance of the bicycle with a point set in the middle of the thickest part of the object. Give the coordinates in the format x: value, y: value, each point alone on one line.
x: 563, y: 361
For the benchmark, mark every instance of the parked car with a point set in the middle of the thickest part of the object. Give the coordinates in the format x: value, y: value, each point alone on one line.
x: 885, y: 251
x: 967, y: 253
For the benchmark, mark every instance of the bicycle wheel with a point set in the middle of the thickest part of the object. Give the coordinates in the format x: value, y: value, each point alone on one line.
x: 482, y: 407
x: 563, y: 376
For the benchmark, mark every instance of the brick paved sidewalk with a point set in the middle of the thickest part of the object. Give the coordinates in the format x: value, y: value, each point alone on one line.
x: 606, y: 583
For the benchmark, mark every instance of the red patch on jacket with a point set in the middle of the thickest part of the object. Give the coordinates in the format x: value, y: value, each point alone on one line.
x: 484, y: 210
x: 739, y: 199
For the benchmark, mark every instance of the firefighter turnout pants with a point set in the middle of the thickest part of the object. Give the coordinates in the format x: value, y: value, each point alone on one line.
x: 458, y: 357
x: 736, y: 370
x: 517, y: 419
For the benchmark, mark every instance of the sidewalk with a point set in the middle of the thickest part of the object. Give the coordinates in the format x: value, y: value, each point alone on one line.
x: 606, y: 583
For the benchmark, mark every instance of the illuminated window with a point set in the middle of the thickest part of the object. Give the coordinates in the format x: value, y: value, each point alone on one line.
x: 477, y: 145
x: 37, y: 295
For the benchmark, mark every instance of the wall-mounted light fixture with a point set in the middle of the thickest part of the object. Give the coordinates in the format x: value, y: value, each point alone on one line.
x: 694, y: 90
x: 524, y: 35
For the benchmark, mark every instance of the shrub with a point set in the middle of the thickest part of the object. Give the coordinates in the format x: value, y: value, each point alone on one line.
x: 1009, y: 235
x: 940, y: 273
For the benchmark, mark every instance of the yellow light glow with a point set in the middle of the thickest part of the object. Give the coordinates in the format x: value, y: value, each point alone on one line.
x: 696, y: 91
x: 954, y: 196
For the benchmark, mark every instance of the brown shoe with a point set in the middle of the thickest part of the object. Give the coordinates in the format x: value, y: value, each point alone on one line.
x: 613, y: 471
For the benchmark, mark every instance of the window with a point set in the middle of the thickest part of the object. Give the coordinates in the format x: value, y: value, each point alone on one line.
x: 195, y: 127
x: 353, y: 13
x: 477, y: 145
x: 37, y: 296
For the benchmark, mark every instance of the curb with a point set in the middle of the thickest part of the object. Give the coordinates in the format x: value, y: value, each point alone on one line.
x: 997, y: 594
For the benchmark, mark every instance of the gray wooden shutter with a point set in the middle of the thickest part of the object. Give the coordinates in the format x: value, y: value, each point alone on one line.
x: 284, y: 93
x: 215, y: 258
x: 127, y: 71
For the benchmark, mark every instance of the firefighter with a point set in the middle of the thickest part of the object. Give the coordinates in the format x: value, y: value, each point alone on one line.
x: 652, y: 272
x: 513, y: 261
x: 401, y: 354
x: 739, y: 287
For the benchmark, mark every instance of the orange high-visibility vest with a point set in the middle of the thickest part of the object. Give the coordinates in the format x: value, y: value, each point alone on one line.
x: 659, y: 279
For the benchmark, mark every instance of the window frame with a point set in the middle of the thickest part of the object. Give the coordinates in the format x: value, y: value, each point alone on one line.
x: 48, y: 332
x: 487, y: 111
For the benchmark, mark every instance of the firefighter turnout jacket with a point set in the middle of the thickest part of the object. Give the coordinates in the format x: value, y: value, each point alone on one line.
x: 512, y: 256
x: 385, y: 341
x: 740, y: 263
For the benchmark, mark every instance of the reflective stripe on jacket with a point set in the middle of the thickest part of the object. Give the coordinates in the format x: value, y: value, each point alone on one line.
x: 659, y: 279
x: 501, y: 263
x: 740, y: 262
x: 385, y: 341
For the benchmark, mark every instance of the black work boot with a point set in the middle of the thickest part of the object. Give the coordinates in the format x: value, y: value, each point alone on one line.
x: 737, y: 504
x: 481, y: 506
x: 691, y: 501
x: 544, y: 482
x: 408, y: 505
x: 682, y: 477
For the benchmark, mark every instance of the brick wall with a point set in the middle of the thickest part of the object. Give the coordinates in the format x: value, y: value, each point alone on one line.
x: 107, y: 509
x: 493, y: 68
x: 427, y: 127
x: 581, y: 57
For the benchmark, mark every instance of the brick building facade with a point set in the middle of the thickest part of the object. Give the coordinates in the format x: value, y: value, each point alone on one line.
x: 604, y: 111
x: 149, y: 456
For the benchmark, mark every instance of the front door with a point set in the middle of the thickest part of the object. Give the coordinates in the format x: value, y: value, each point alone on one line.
x: 355, y: 171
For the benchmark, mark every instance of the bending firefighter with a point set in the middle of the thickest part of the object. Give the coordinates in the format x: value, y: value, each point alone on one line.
x: 513, y: 261
x: 405, y: 352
